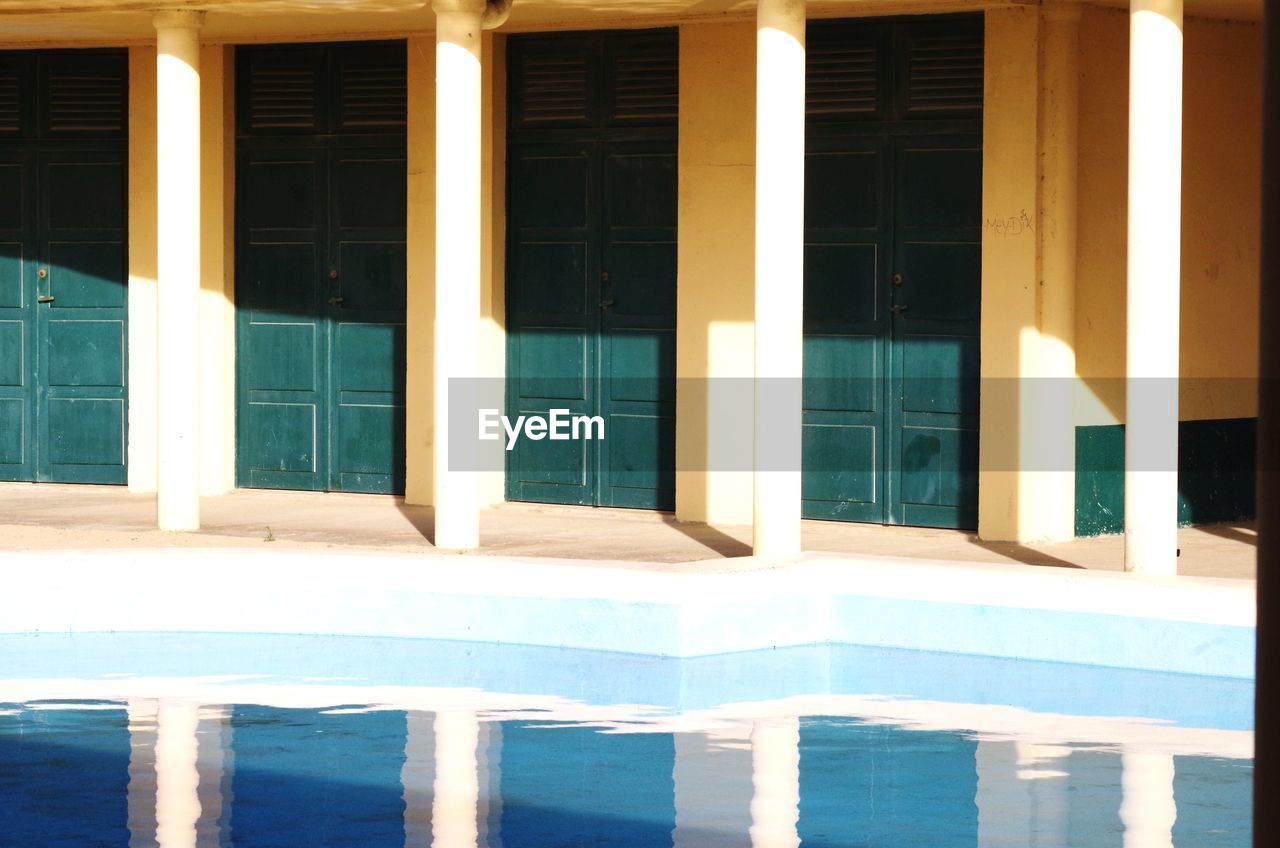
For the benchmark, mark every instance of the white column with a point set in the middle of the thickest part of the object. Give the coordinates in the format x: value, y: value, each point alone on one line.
x: 775, y: 780
x: 177, y: 775
x: 456, y: 805
x: 1155, y: 214
x: 458, y: 233
x: 178, y: 266
x: 779, y: 295
x: 1147, y: 809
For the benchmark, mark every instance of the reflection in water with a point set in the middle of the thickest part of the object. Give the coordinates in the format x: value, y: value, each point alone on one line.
x: 135, y: 761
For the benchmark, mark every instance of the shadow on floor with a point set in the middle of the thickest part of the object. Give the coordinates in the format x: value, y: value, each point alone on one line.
x: 1234, y: 532
x: 716, y: 541
x: 423, y: 519
x: 1022, y: 553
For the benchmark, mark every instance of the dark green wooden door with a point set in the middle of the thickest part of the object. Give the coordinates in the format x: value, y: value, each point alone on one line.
x: 893, y: 271
x: 63, y: 283
x: 320, y: 286
x: 592, y: 264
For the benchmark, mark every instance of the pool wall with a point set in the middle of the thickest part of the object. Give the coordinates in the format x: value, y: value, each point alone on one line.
x: 1188, y: 625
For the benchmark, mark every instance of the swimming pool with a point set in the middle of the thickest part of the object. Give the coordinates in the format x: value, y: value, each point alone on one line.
x: 192, y: 740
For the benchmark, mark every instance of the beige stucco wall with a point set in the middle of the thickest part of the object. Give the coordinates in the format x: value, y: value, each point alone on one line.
x: 217, y: 284
x: 142, y: 269
x: 715, y: 335
x: 1221, y: 203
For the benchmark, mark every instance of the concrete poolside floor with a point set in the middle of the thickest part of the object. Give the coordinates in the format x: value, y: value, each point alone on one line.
x: 52, y: 517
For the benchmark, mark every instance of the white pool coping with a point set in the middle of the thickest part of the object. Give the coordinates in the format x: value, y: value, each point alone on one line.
x: 1183, y: 624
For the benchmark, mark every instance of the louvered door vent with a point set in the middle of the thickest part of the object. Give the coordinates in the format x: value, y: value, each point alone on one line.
x: 282, y: 97
x: 646, y: 88
x: 842, y: 79
x: 553, y: 90
x: 944, y: 74
x: 373, y: 97
x: 91, y: 101
x: 10, y: 103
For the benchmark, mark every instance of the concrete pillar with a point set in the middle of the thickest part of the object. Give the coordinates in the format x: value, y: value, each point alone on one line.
x: 779, y: 294
x: 458, y: 260
x: 1155, y: 239
x: 177, y: 775
x: 775, y: 781
x: 456, y: 805
x: 1147, y: 808
x: 178, y: 266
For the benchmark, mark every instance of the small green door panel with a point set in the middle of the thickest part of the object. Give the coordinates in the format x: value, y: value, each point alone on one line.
x: 893, y: 271
x: 63, y: 278
x: 592, y: 264
x: 320, y: 287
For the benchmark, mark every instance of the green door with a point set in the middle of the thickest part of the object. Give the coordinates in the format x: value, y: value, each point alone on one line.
x: 63, y: 280
x: 591, y: 263
x: 893, y: 271
x: 320, y: 283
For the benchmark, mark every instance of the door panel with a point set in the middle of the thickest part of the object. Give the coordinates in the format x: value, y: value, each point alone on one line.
x: 282, y: 334
x: 63, y: 296
x: 637, y: 334
x: 936, y: 335
x: 591, y: 290
x: 846, y: 238
x: 893, y: 272
x: 81, y: 396
x: 17, y: 317
x: 366, y: 313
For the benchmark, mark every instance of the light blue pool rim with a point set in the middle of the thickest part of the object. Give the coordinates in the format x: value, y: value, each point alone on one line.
x: 1187, y: 625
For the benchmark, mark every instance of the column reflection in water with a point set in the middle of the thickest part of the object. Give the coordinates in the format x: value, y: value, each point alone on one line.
x: 1148, y: 809
x: 775, y: 778
x: 215, y: 763
x: 142, y: 773
x: 177, y: 777
x: 1022, y: 795
x: 451, y: 774
x: 713, y: 789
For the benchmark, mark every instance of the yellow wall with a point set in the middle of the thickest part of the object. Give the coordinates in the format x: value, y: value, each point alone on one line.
x: 716, y: 271
x: 1220, y: 209
x: 142, y: 269
x: 420, y: 304
x: 217, y: 294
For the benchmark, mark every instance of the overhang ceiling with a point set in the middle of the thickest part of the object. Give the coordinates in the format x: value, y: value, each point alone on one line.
x: 53, y: 22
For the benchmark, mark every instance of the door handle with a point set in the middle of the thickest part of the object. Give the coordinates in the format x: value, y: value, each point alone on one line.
x: 45, y: 298
x: 605, y: 304
x: 898, y: 308
x: 334, y: 301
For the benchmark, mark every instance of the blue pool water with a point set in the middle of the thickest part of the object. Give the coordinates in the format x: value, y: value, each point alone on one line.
x: 180, y: 740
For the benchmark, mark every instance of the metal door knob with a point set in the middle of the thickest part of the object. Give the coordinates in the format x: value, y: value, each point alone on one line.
x: 334, y: 301
x: 898, y: 308
x: 605, y: 304
x: 42, y: 273
x: 45, y: 298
